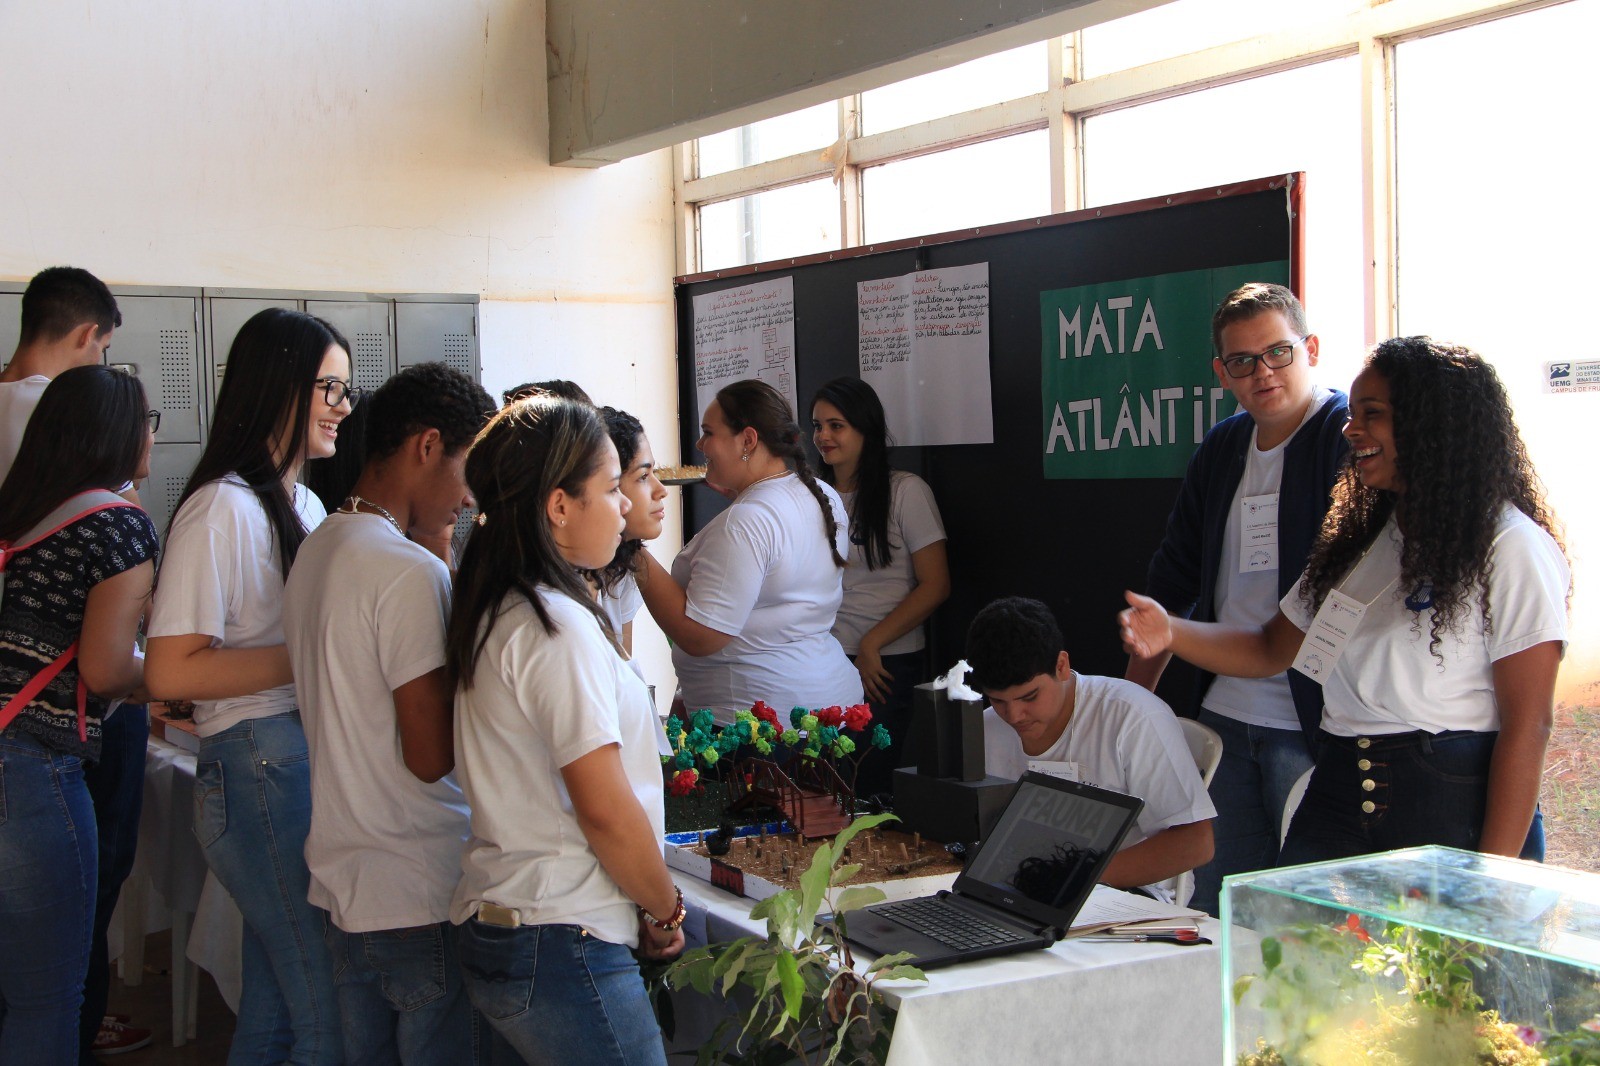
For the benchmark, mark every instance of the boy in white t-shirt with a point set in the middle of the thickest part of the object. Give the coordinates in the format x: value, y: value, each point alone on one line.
x: 1099, y: 730
x: 364, y: 614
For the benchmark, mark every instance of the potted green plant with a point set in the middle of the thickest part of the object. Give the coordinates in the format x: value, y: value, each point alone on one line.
x: 796, y: 994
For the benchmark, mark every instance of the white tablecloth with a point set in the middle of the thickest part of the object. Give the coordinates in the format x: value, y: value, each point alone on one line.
x: 1074, y: 1002
x: 171, y: 887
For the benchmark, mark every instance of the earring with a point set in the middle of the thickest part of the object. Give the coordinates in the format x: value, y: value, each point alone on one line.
x: 563, y: 523
x: 745, y: 458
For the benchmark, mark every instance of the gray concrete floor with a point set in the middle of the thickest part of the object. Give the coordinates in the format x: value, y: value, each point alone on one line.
x: 149, y: 1005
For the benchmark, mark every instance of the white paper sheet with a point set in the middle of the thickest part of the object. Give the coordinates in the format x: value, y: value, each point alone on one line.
x: 923, y: 344
x: 744, y: 332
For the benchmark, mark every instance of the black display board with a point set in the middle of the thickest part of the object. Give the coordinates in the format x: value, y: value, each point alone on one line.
x: 1076, y: 544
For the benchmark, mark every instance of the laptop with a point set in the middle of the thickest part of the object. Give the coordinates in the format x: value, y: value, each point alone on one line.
x: 1022, y: 888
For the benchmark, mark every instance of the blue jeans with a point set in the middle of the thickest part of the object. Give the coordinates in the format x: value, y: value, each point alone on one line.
x: 252, y: 798
x: 1372, y: 794
x: 401, y: 998
x: 116, y: 786
x: 1258, y: 768
x: 560, y: 996
x: 48, y: 855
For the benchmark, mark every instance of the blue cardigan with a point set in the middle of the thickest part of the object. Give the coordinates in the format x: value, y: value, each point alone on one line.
x: 1183, y: 573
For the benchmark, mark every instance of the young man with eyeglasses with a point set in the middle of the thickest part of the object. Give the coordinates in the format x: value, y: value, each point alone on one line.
x: 1251, y: 504
x: 68, y: 316
x: 364, y: 613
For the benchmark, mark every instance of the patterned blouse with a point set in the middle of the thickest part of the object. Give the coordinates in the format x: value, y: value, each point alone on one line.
x: 46, y: 589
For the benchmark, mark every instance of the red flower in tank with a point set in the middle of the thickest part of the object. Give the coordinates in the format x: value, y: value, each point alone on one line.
x: 684, y: 782
x: 833, y: 716
x: 764, y: 713
x: 857, y: 718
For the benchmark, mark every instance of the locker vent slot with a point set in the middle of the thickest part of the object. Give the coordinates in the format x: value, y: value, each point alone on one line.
x: 372, y: 360
x: 458, y: 352
x: 176, y: 347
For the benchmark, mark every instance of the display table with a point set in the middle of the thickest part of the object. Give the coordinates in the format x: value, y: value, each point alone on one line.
x: 1076, y: 1001
x: 171, y: 887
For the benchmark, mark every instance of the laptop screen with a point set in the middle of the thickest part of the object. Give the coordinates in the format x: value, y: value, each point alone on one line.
x: 1049, y: 847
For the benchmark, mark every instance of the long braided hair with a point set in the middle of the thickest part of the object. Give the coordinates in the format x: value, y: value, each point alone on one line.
x: 752, y: 404
x: 1461, y: 458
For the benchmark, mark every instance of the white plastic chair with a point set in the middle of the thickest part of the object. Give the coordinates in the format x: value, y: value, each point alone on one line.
x: 1205, y: 746
x: 1297, y: 792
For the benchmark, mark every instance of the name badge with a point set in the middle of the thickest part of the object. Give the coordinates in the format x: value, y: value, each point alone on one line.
x: 1330, y: 632
x: 1258, y: 533
x: 1066, y: 771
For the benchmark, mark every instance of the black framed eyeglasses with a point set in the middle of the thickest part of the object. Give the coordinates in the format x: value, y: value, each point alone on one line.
x: 1276, y: 357
x: 335, y: 390
x: 154, y: 418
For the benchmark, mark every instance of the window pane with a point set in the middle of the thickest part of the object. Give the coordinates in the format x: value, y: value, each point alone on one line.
x: 1185, y: 26
x: 795, y: 220
x: 979, y: 184
x: 773, y: 138
x: 1497, y: 227
x: 1307, y: 119
x: 1003, y: 76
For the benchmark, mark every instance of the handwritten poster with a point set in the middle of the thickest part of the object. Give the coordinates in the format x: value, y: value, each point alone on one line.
x: 923, y: 344
x: 744, y: 332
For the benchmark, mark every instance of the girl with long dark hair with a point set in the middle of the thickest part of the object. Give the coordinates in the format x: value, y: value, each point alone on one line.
x: 898, y: 573
x: 619, y: 590
x: 216, y: 638
x: 1440, y: 560
x: 556, y: 751
x: 750, y: 603
x: 78, y: 565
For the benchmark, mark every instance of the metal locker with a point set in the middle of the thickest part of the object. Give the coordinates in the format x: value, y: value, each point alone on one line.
x: 429, y: 331
x: 159, y: 344
x: 365, y: 324
x: 224, y: 317
x: 10, y: 322
x: 170, y: 467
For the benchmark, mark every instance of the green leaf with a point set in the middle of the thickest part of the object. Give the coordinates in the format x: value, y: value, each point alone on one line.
x: 900, y: 973
x: 853, y: 899
x: 844, y: 873
x: 1271, y: 953
x: 892, y: 959
x: 814, y: 885
x: 866, y: 821
x: 793, y: 987
x: 1241, y: 986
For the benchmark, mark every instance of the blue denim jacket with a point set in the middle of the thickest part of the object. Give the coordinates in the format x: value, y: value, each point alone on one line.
x: 1183, y: 572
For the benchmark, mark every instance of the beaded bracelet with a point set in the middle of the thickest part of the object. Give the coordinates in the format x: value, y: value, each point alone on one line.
x: 679, y: 913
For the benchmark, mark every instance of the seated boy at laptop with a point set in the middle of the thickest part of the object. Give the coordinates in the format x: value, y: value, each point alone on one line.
x: 1099, y: 730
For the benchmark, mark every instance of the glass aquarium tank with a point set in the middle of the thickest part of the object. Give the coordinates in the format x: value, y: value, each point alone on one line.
x: 1427, y: 955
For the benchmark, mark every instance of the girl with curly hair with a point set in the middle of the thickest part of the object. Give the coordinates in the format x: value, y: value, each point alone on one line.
x: 1443, y: 557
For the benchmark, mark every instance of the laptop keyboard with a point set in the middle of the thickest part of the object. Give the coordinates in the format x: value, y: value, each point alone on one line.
x: 948, y: 925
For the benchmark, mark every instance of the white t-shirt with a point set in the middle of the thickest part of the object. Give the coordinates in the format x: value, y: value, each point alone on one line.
x: 17, y: 401
x: 1251, y: 599
x: 1123, y: 738
x: 621, y: 605
x: 364, y: 613
x: 869, y: 595
x: 539, y: 702
x: 220, y: 577
x: 761, y: 571
x: 1388, y: 681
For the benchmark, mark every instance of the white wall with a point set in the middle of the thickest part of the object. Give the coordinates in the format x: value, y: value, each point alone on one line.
x: 355, y: 145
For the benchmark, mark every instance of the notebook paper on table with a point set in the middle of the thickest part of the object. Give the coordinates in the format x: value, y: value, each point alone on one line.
x: 1109, y: 908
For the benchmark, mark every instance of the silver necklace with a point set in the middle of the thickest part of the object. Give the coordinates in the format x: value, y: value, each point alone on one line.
x: 769, y: 477
x: 357, y: 501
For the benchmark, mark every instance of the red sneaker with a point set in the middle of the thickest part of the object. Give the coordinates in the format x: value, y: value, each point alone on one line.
x: 116, y: 1037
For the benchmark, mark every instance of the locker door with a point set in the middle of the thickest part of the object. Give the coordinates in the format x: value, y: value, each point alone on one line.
x: 443, y: 333
x: 365, y: 325
x: 170, y: 467
x: 224, y: 316
x: 158, y: 344
x: 10, y: 324
x: 438, y: 332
